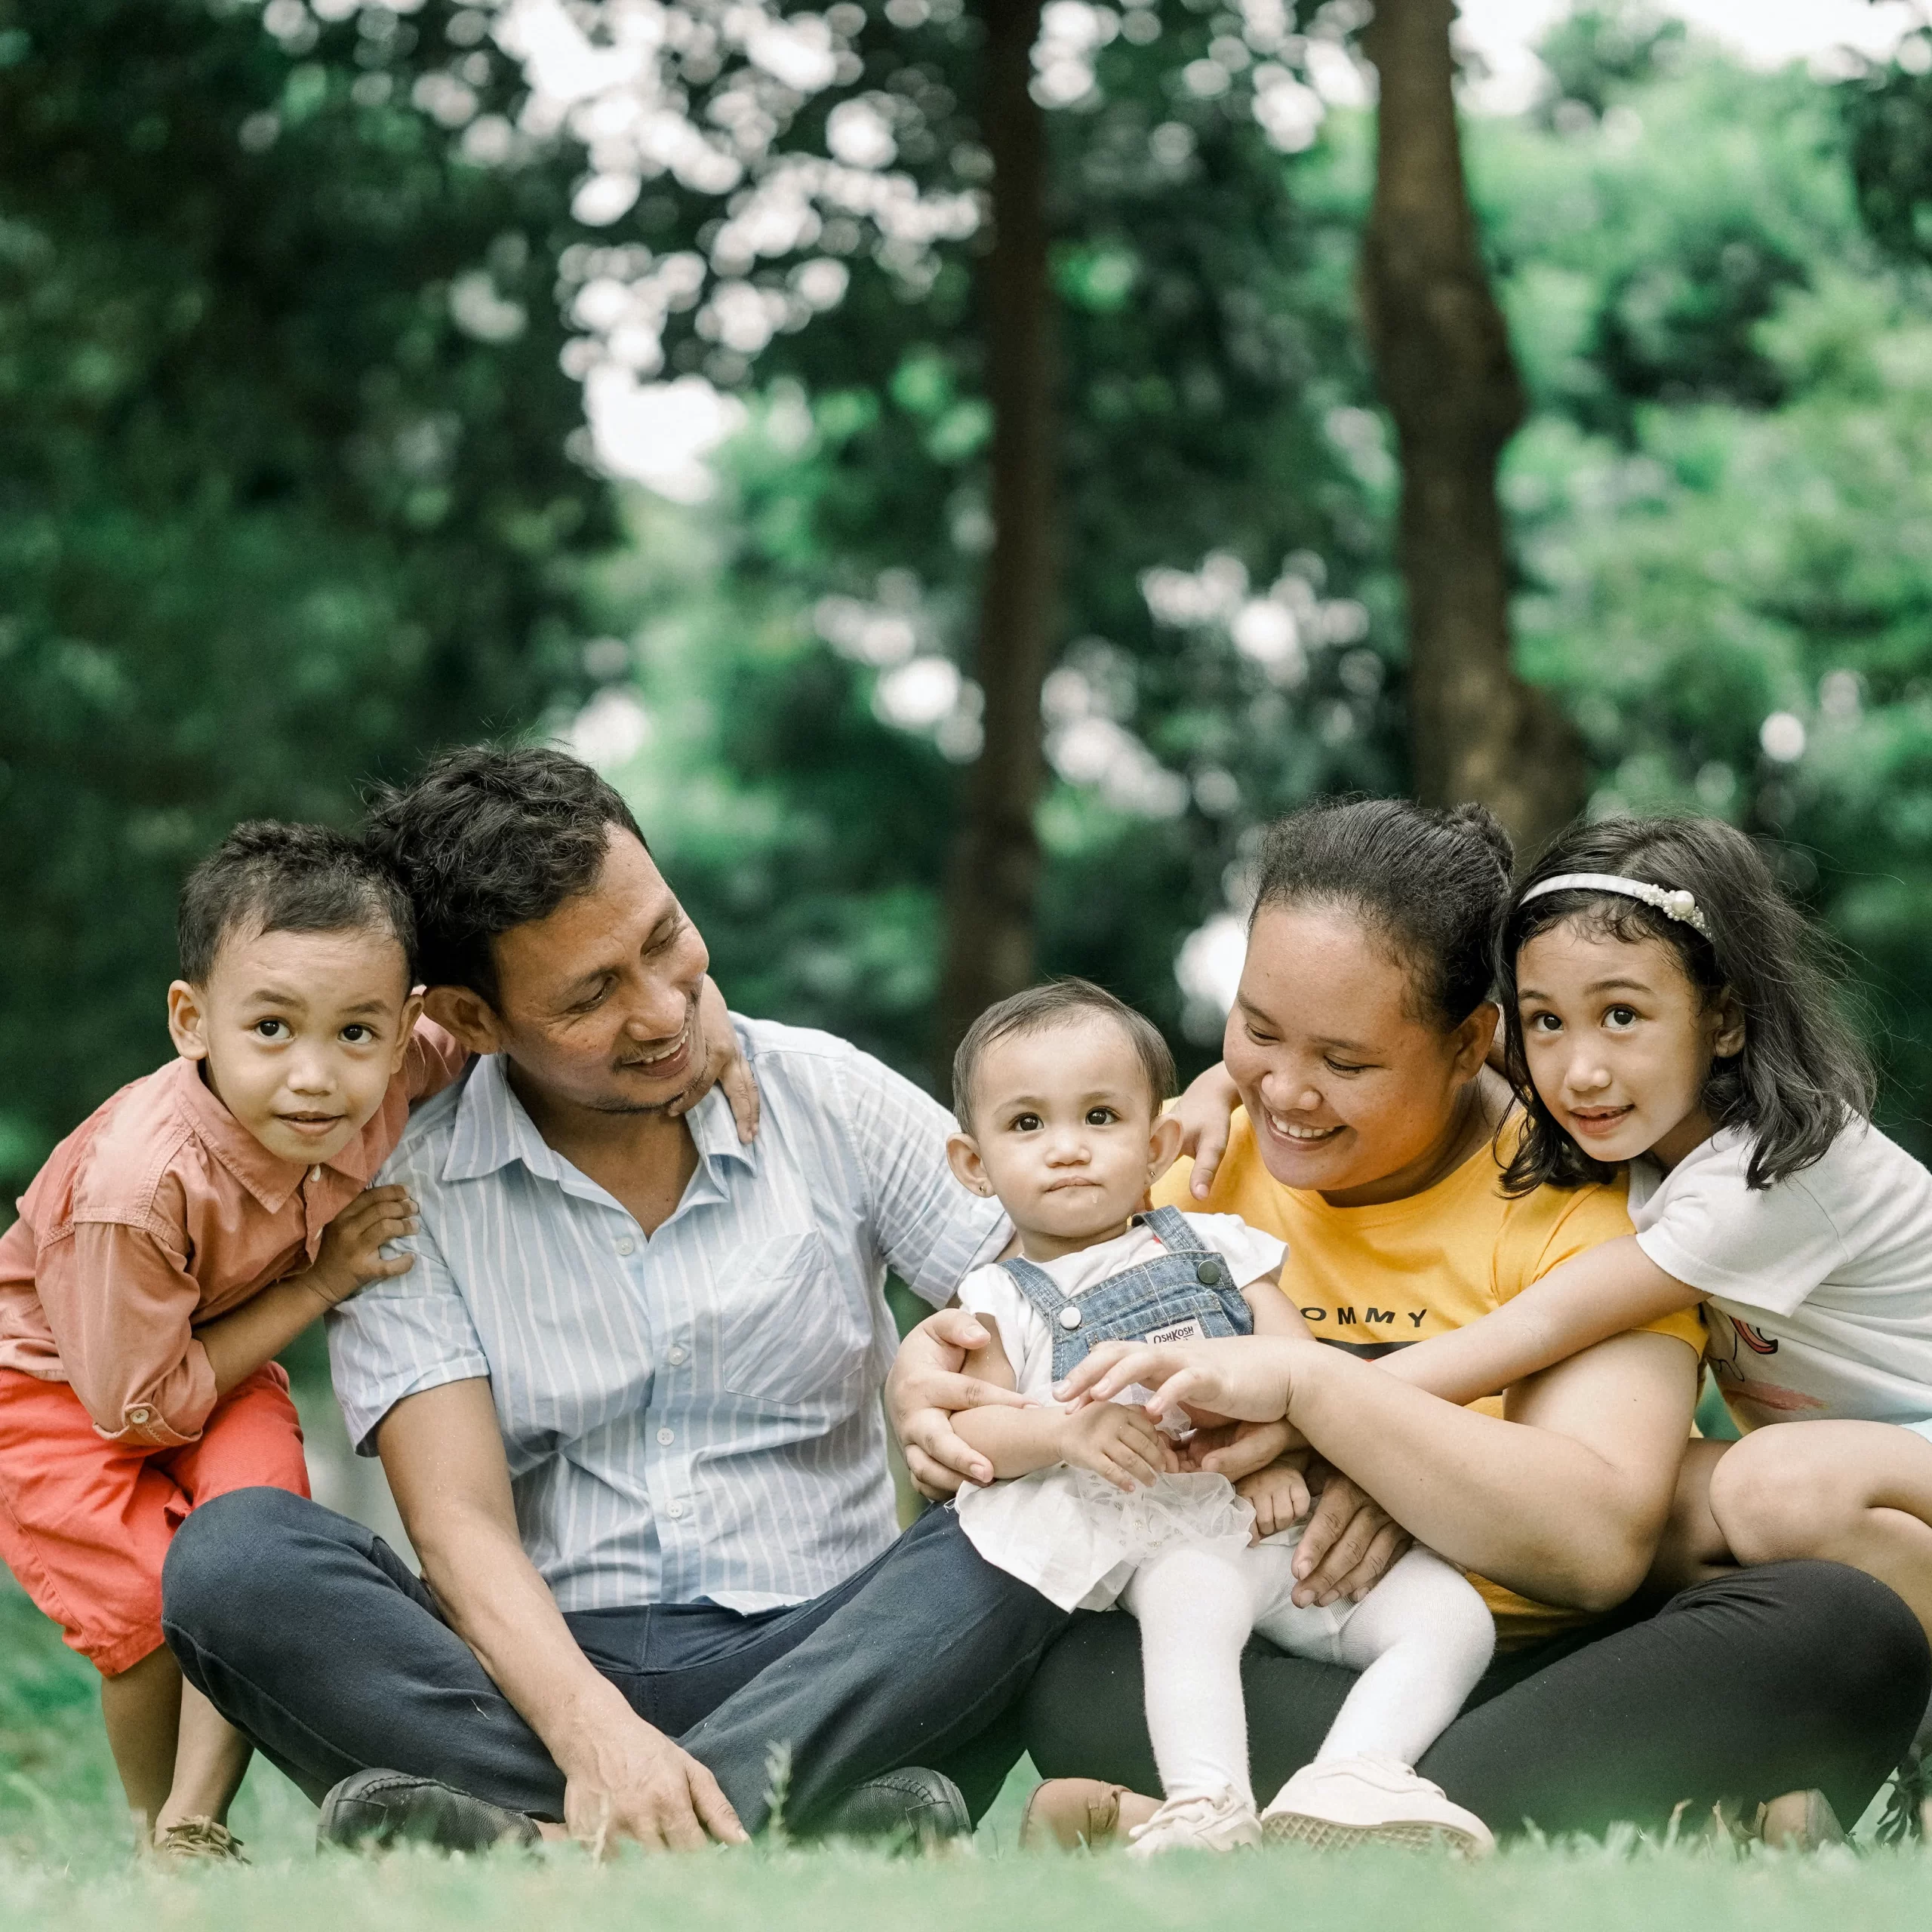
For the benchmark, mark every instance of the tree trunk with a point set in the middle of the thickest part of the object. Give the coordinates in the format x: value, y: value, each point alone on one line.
x: 1442, y: 362
x: 993, y: 877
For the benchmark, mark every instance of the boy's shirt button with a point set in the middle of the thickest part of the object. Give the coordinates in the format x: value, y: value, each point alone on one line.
x: 141, y: 1416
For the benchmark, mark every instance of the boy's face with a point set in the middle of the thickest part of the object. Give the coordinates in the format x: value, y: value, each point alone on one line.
x: 300, y: 1033
x: 1063, y: 1130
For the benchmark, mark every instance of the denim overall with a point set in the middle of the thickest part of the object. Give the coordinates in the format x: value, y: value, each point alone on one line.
x: 1182, y: 1295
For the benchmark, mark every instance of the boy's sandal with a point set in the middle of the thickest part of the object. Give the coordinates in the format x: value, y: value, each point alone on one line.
x: 198, y: 1841
x: 1067, y: 1814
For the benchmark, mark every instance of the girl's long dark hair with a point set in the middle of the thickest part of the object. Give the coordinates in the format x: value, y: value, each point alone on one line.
x: 1801, y: 1076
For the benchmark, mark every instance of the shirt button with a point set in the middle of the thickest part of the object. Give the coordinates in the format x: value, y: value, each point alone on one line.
x: 667, y: 1435
x: 675, y: 1357
x: 139, y: 1416
x: 1069, y: 1318
x: 625, y: 1245
x: 315, y: 1174
x: 1207, y: 1274
x: 675, y: 1509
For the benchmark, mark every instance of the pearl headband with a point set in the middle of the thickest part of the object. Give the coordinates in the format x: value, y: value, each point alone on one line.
x: 1677, y: 905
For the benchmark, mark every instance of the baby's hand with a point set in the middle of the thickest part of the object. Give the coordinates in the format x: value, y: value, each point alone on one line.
x: 1279, y: 1494
x: 1117, y: 1442
x: 351, y: 1256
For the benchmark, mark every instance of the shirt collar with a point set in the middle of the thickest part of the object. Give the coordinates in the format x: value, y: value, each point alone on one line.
x: 267, y: 1177
x: 492, y: 1130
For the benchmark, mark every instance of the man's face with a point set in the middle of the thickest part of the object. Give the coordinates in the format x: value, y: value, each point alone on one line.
x: 596, y: 1003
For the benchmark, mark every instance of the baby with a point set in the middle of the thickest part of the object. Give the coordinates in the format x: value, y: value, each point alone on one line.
x: 187, y: 1231
x: 1058, y: 1092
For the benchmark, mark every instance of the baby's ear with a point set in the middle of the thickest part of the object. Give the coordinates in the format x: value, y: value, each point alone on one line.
x: 1164, y: 1145
x: 962, y: 1156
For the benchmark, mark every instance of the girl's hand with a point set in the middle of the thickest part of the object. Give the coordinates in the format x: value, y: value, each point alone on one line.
x: 1247, y: 1377
x: 1279, y: 1494
x: 351, y: 1255
x: 725, y: 1066
x: 1205, y: 1112
x: 1117, y: 1442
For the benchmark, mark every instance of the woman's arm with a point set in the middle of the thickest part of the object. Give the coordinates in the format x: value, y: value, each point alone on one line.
x: 1608, y: 1289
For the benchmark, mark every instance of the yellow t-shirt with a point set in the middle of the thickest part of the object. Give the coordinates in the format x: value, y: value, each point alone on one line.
x: 1371, y: 1279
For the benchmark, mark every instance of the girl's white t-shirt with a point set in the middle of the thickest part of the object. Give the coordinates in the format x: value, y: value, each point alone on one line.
x: 1024, y: 1334
x: 1820, y: 1285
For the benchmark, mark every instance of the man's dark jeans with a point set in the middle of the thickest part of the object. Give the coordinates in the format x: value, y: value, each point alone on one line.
x: 316, y: 1641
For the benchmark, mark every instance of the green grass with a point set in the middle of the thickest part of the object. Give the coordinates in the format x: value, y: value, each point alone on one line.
x: 64, y: 1867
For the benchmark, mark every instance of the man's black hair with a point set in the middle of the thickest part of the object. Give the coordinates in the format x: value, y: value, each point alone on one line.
x: 1802, y: 1074
x: 1040, y: 1007
x: 489, y: 839
x: 266, y: 877
x: 1430, y: 882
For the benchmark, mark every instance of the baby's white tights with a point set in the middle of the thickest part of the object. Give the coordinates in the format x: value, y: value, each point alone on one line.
x: 1420, y: 1639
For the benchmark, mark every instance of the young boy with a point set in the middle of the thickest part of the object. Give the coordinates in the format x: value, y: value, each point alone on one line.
x: 188, y: 1230
x: 1058, y: 1093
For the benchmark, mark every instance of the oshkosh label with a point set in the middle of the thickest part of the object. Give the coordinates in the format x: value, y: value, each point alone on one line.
x: 1178, y: 1331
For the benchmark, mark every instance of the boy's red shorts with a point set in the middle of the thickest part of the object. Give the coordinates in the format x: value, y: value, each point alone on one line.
x: 84, y: 1525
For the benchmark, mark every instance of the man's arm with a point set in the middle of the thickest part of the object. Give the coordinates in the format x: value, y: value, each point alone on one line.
x: 445, y: 1463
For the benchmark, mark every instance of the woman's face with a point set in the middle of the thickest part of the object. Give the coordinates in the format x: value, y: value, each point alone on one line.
x: 1346, y: 1088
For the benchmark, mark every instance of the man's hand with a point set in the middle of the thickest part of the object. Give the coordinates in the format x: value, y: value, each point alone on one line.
x: 924, y: 1392
x: 1205, y: 1112
x: 350, y: 1257
x: 724, y: 1066
x: 1119, y: 1443
x: 630, y: 1783
x: 1245, y: 1378
x: 1279, y: 1494
x: 1350, y: 1544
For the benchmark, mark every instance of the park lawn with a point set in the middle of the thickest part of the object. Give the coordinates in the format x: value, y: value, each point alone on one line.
x: 64, y: 1868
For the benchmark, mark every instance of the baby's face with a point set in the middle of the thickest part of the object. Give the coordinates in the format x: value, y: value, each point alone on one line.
x: 301, y: 1032
x: 1063, y: 1130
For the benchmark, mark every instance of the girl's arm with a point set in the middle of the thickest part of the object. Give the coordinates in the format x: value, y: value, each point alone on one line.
x: 1606, y: 1290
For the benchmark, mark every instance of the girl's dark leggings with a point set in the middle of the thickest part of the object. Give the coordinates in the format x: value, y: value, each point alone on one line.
x: 1781, y: 1678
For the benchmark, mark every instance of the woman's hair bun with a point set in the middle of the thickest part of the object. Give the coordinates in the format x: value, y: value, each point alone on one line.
x: 1487, y: 827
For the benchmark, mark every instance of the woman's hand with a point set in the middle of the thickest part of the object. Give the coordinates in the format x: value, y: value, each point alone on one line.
x: 1247, y: 1378
x: 1205, y: 1112
x: 1350, y: 1544
x: 1279, y: 1494
x: 1237, y: 1449
x: 724, y: 1066
x: 924, y: 1392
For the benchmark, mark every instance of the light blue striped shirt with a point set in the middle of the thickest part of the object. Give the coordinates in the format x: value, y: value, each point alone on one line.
x: 693, y: 1415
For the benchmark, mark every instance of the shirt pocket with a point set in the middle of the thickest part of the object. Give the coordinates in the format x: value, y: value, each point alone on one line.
x: 790, y: 1329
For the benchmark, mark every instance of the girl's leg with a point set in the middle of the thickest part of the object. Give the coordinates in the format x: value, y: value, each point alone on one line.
x: 1692, y: 1549
x: 1420, y: 1638
x: 142, y: 1709
x: 209, y: 1760
x: 1858, y: 1493
x: 1195, y: 1607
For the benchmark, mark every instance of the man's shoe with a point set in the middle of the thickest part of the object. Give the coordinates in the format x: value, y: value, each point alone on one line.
x: 1371, y: 1801
x: 371, y: 1810
x: 914, y: 1806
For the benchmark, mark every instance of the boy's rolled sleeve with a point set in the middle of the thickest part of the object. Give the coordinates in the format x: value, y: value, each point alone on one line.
x: 121, y: 1308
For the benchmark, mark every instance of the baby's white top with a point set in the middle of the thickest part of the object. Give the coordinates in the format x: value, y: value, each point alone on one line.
x: 1029, y: 1342
x: 1820, y: 1286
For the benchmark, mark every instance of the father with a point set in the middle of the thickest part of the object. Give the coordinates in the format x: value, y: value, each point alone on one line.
x: 627, y: 1401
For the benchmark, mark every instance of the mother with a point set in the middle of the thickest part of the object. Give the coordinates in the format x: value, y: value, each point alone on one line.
x: 1368, y: 1141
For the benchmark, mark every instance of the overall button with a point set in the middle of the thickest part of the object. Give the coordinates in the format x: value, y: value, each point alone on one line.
x: 667, y: 1435
x: 1069, y: 1318
x: 1207, y: 1274
x: 625, y: 1245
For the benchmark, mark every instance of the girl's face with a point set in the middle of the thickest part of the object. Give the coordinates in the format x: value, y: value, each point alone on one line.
x: 1620, y: 1042
x: 1348, y: 1091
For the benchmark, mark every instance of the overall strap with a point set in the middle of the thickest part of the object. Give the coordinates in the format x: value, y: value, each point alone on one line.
x: 1037, y: 1285
x: 1171, y: 1228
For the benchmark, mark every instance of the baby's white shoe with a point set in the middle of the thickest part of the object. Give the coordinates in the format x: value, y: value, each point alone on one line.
x: 1371, y: 1801
x: 1222, y: 1821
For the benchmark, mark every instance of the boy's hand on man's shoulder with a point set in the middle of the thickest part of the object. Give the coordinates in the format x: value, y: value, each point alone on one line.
x: 351, y: 1256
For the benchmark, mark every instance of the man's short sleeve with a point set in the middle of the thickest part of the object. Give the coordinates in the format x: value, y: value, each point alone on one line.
x: 929, y: 1229
x: 400, y: 1336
